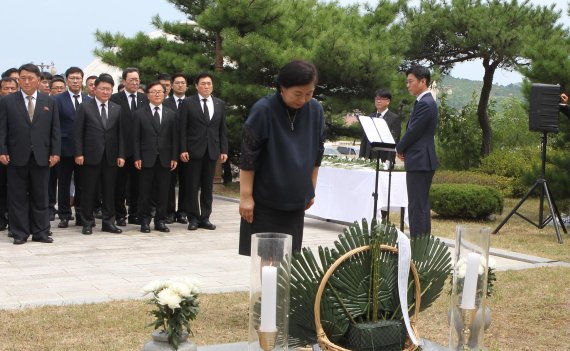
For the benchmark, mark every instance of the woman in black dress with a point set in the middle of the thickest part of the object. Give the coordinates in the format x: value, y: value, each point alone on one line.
x: 281, y: 151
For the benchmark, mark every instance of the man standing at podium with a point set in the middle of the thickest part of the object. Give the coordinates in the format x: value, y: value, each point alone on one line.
x: 382, y: 101
x: 417, y: 150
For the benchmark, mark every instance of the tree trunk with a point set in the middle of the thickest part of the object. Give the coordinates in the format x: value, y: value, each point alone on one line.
x: 219, y: 64
x: 483, y: 104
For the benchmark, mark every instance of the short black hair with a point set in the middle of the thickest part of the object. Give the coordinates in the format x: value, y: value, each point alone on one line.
x: 72, y: 70
x: 46, y: 76
x: 153, y: 84
x: 104, y: 78
x: 163, y: 76
x: 91, y: 77
x: 9, y: 79
x: 9, y: 71
x: 56, y: 78
x: 201, y: 76
x: 129, y: 70
x: 178, y: 75
x: 297, y: 73
x: 420, y: 72
x: 384, y: 93
x: 120, y: 87
x: 29, y: 67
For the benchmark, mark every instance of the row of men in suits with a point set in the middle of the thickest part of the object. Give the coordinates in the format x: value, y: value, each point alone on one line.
x: 109, y: 142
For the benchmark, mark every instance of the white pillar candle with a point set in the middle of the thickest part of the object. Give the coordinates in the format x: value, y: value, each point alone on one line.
x: 268, y: 299
x: 470, y: 281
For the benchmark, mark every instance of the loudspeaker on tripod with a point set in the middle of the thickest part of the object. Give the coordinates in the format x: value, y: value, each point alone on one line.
x: 544, y: 108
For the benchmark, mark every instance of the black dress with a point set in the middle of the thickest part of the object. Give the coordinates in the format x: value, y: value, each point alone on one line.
x: 282, y: 146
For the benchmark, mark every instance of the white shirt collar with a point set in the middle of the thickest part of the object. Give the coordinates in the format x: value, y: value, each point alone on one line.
x: 35, y: 95
x: 422, y: 95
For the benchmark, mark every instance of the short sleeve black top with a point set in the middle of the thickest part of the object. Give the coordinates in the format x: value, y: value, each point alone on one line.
x: 283, y: 146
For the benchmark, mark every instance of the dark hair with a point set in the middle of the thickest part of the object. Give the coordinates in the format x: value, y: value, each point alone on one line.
x: 105, y: 78
x: 297, y: 73
x: 91, y: 77
x: 163, y: 76
x: 153, y: 84
x: 420, y: 72
x: 178, y: 75
x: 384, y: 93
x: 9, y: 79
x: 129, y: 70
x: 46, y: 76
x: 9, y: 71
x: 120, y: 87
x: 29, y: 67
x: 56, y: 78
x: 201, y: 76
x: 72, y: 70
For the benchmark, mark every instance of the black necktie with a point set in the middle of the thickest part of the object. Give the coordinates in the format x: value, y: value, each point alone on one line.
x: 156, y: 116
x: 103, y: 115
x: 179, y: 102
x: 76, y: 97
x: 206, y: 112
x: 133, y: 102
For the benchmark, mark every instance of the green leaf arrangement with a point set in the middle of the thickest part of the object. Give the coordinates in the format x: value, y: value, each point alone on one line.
x: 349, y: 295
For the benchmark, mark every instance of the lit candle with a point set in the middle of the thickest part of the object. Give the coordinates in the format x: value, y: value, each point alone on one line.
x: 268, y: 298
x: 470, y: 281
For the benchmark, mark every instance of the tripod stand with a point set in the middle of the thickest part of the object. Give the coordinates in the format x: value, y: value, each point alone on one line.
x: 541, y: 184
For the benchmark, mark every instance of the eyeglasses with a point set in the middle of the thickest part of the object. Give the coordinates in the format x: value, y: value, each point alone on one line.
x: 156, y: 92
x: 74, y: 78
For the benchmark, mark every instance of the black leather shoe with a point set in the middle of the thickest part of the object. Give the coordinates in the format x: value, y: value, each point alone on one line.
x: 121, y: 222
x: 19, y: 241
x: 42, y: 239
x: 145, y: 228
x: 193, y: 225
x: 135, y: 220
x: 161, y: 227
x: 97, y: 213
x: 206, y: 224
x: 87, y: 230
x: 52, y: 217
x: 10, y: 235
x: 170, y: 219
x: 50, y: 233
x: 182, y: 219
x: 111, y: 228
x: 64, y: 223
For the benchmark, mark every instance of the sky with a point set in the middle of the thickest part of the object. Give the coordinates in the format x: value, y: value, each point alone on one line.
x: 62, y: 31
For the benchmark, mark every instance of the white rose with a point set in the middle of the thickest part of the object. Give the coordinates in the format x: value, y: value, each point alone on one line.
x: 170, y: 298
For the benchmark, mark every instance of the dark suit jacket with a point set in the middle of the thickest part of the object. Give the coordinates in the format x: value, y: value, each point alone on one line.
x: 417, y: 144
x: 395, y: 124
x: 198, y: 133
x: 92, y: 140
x: 66, y: 108
x: 127, y: 117
x: 19, y: 137
x: 152, y: 140
x: 171, y: 102
x: 565, y: 109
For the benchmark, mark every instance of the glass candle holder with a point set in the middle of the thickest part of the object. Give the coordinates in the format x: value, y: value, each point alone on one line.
x: 270, y: 274
x: 467, y: 308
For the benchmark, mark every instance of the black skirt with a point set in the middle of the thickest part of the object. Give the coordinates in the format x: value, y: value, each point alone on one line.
x: 270, y: 220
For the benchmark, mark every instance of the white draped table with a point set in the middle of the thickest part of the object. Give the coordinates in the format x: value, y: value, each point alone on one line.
x: 346, y: 194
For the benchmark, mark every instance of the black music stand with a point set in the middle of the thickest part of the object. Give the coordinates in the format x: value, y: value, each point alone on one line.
x: 380, y: 139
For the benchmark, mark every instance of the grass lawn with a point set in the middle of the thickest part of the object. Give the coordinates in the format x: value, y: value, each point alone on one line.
x: 531, y: 308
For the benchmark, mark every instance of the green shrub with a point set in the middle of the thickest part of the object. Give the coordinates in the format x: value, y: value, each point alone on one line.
x: 504, y: 185
x: 467, y: 201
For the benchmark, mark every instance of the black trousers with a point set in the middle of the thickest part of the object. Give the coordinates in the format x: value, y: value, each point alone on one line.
x: 418, y: 185
x: 106, y: 175
x: 28, y: 200
x: 270, y: 220
x: 199, y: 178
x: 127, y: 187
x: 153, y: 180
x: 68, y: 169
x: 179, y: 175
x: 3, y: 196
x: 52, y: 192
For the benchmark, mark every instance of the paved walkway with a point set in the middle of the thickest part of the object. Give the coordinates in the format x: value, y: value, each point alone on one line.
x: 101, y: 267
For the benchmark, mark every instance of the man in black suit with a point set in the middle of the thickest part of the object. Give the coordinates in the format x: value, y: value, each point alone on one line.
x: 129, y: 100
x: 99, y: 149
x: 155, y: 152
x: 382, y: 102
x: 30, y: 144
x: 417, y: 150
x: 8, y: 86
x: 67, y: 104
x: 203, y: 141
x: 179, y: 87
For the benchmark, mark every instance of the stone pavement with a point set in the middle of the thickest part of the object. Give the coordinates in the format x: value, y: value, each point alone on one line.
x: 80, y: 268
